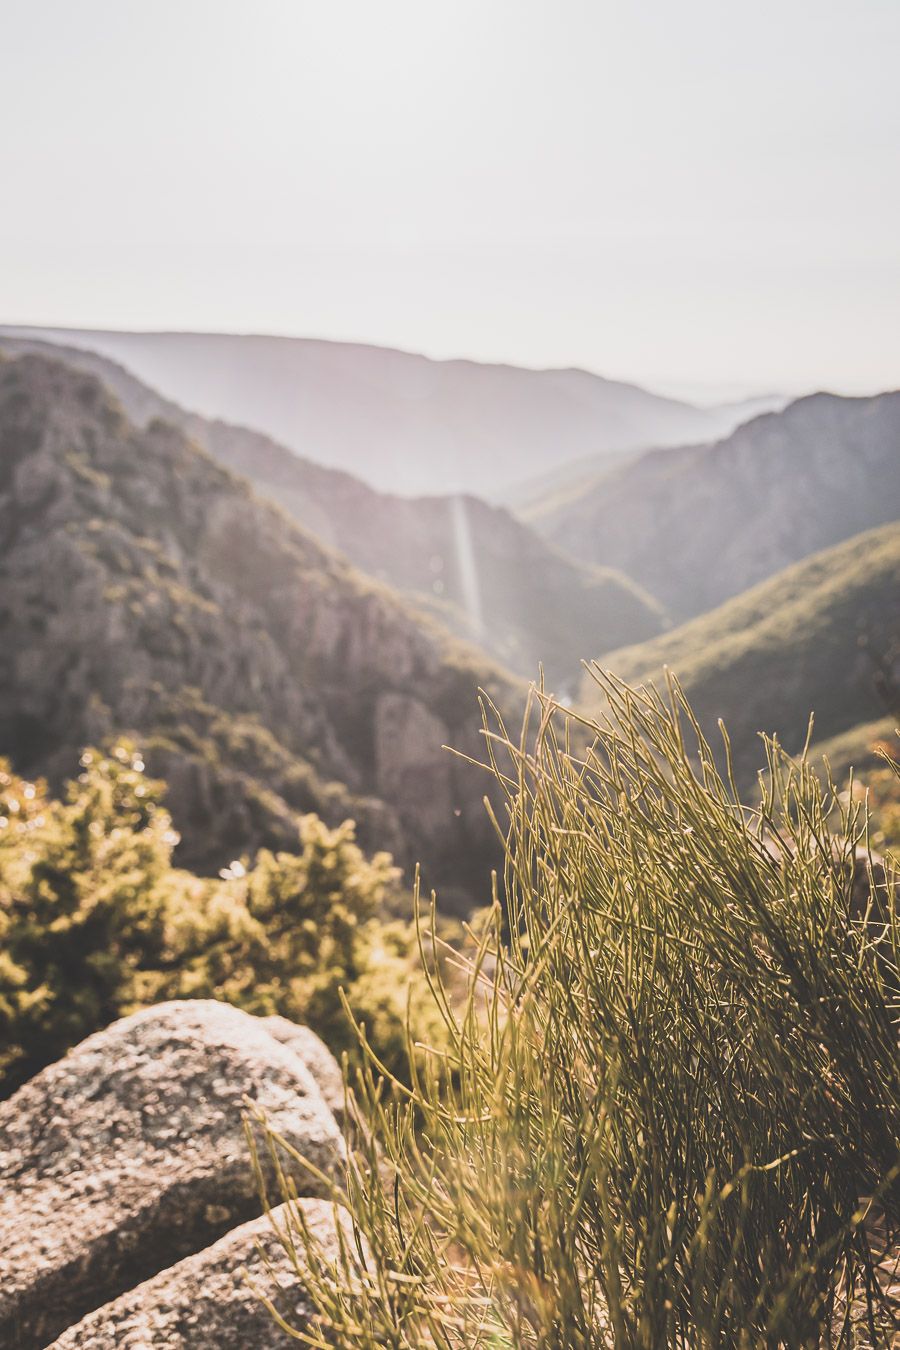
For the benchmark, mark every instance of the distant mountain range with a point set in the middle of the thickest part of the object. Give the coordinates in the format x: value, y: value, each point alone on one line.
x: 146, y: 589
x: 400, y: 421
x: 283, y: 637
x: 698, y: 524
x: 820, y: 637
x: 480, y: 571
x: 537, y: 497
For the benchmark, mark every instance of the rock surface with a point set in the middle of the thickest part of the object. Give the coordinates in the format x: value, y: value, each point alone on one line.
x: 129, y: 1154
x: 206, y: 1303
x: 315, y: 1055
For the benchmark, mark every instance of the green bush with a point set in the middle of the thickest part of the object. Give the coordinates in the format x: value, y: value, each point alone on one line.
x: 291, y: 933
x: 84, y: 892
x: 669, y: 1114
x: 95, y: 921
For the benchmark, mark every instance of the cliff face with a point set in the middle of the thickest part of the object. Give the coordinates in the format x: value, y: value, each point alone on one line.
x: 483, y: 573
x: 145, y: 589
x: 698, y: 525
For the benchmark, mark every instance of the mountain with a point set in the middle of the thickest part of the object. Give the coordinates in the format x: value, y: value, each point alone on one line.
x: 400, y: 421
x: 820, y: 637
x: 147, y: 590
x: 536, y: 497
x: 862, y: 750
x: 699, y: 524
x: 481, y: 572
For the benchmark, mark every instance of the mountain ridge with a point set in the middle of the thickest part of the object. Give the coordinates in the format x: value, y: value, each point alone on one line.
x: 403, y: 422
x: 698, y: 524
x: 147, y: 590
x: 472, y: 565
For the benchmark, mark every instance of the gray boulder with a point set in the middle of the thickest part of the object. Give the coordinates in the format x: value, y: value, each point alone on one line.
x: 129, y: 1154
x: 205, y: 1301
x: 315, y: 1055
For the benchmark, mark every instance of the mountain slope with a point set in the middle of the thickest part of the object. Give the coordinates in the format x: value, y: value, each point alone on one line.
x: 816, y: 638
x: 146, y: 589
x: 400, y: 421
x: 698, y: 524
x: 483, y: 573
x: 540, y: 496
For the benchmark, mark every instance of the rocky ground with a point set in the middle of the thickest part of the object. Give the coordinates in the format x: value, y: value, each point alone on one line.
x: 128, y: 1206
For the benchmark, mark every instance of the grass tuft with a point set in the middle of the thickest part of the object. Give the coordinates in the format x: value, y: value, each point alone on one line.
x: 669, y: 1113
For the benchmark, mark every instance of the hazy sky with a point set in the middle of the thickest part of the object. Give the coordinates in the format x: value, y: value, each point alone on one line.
x: 689, y: 193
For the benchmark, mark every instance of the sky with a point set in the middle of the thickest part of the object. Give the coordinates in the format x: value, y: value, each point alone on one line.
x: 699, y: 195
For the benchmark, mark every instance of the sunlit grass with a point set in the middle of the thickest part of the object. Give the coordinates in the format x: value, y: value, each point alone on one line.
x: 671, y: 1109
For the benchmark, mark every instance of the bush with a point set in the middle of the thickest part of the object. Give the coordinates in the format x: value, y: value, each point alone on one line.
x: 670, y: 1110
x: 95, y: 921
x: 295, y: 931
x: 84, y: 890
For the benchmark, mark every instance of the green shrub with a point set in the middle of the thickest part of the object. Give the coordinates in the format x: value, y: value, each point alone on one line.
x: 670, y: 1110
x: 289, y: 934
x: 95, y: 921
x: 84, y: 890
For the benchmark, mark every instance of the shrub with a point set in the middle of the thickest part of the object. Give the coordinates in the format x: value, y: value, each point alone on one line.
x: 84, y: 890
x: 293, y: 931
x: 95, y: 921
x: 670, y: 1110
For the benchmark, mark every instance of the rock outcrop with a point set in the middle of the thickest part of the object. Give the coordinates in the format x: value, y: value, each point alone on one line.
x: 129, y: 1155
x: 210, y: 1301
x: 146, y: 590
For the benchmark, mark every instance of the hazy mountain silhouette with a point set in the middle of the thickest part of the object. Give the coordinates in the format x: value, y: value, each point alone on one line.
x: 479, y: 570
x: 402, y: 422
x: 698, y: 524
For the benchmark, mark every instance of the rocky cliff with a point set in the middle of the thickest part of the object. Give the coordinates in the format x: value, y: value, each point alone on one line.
x: 146, y: 589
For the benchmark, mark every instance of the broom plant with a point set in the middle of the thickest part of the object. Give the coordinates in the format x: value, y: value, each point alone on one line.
x: 669, y: 1114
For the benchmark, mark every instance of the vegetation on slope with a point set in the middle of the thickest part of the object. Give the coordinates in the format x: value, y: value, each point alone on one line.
x: 670, y: 1111
x: 95, y: 921
x: 813, y: 639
